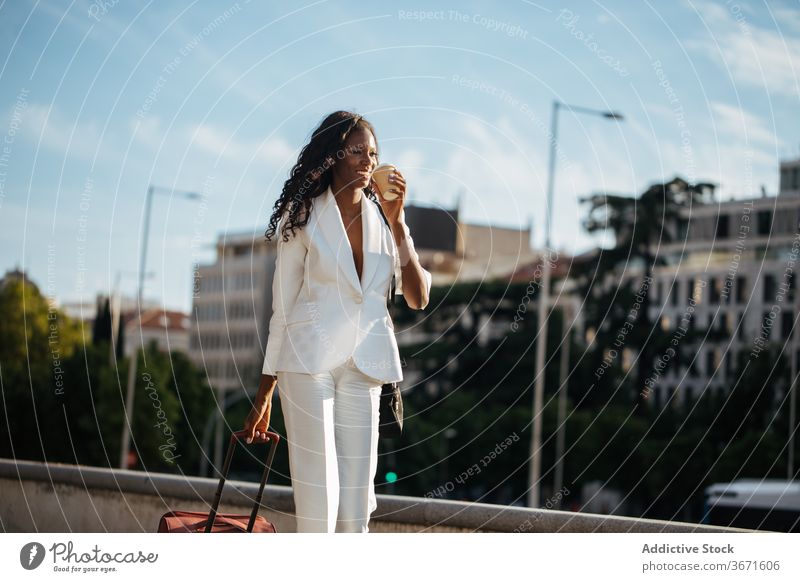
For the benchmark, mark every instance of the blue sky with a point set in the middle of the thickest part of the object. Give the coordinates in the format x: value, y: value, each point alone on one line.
x: 101, y: 99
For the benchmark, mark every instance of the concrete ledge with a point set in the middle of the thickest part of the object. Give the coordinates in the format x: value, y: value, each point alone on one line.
x: 55, y: 497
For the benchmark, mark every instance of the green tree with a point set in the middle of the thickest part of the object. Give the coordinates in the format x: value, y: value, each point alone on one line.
x: 639, y: 225
x: 171, y: 405
x: 38, y: 340
x: 101, y: 329
x: 63, y: 400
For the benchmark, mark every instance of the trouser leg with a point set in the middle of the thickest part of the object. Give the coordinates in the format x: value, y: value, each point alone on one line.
x: 356, y: 421
x: 307, y: 402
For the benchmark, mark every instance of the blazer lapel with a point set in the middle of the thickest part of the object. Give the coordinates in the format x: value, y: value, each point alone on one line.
x: 372, y: 225
x: 329, y: 221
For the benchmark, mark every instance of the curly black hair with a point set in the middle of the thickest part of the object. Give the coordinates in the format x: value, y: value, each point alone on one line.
x: 311, y: 175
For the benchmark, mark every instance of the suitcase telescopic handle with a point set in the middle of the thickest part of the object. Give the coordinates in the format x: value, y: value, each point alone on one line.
x: 240, y: 436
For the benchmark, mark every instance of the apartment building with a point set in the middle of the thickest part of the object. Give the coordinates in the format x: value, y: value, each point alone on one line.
x: 458, y: 252
x: 730, y: 271
x: 232, y: 303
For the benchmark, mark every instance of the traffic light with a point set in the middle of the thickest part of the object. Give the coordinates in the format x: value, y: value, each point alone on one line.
x: 391, y: 476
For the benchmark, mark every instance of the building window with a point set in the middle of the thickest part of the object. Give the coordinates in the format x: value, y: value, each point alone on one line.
x: 764, y: 222
x: 714, y: 297
x: 687, y: 400
x: 683, y: 228
x: 693, y: 371
x: 741, y: 360
x: 741, y: 289
x: 722, y: 320
x: 787, y: 324
x: 766, y: 324
x: 724, y: 289
x: 674, y: 292
x: 769, y: 288
x: 741, y: 325
x: 722, y: 226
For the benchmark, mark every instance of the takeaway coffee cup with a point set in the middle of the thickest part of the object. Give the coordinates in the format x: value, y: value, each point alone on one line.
x: 381, y: 177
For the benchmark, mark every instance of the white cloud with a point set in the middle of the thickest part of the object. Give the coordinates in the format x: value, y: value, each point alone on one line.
x: 210, y: 139
x: 46, y: 126
x: 787, y: 15
x: 754, y: 55
x: 219, y: 141
x: 732, y: 121
x: 501, y: 172
x: 147, y: 131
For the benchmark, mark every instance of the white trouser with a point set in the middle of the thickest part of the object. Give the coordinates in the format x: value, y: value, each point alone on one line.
x: 332, y: 433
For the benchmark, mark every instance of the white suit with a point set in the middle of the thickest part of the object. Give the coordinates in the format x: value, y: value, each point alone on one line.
x: 331, y: 345
x: 321, y: 313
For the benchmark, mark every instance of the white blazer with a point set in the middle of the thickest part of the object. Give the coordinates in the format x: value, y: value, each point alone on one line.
x: 321, y: 313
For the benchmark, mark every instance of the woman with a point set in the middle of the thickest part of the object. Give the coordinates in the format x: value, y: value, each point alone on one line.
x: 331, y: 341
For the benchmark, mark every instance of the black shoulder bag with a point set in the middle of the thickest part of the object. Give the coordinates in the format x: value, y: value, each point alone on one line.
x: 391, y: 406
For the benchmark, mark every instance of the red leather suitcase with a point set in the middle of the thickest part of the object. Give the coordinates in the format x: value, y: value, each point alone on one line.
x: 213, y: 522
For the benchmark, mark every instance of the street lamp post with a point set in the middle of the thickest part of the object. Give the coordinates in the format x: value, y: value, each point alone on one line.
x: 792, y: 416
x: 558, y: 478
x: 535, y: 465
x: 116, y: 314
x: 129, y: 397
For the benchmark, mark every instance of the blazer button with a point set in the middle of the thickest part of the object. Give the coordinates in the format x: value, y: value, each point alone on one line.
x: 359, y: 299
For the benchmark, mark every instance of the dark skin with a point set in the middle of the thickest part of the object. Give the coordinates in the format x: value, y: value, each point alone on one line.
x: 349, y: 176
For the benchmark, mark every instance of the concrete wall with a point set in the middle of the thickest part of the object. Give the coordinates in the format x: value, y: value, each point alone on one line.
x: 54, y: 497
